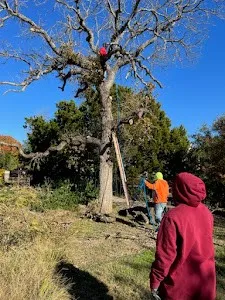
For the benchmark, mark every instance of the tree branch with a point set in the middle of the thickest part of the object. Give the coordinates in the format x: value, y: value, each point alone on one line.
x: 134, y: 116
x: 139, y: 34
x: 36, y: 155
x: 117, y: 35
x: 33, y: 26
x: 71, y: 140
x: 82, y: 23
x: 33, y: 76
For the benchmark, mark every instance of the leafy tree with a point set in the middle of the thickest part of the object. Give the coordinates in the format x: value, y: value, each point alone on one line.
x: 179, y: 146
x: 9, y: 161
x: 149, y: 144
x: 207, y: 159
x: 70, y: 163
x: 139, y: 34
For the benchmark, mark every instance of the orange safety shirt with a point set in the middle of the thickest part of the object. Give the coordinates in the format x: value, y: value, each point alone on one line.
x: 161, y: 190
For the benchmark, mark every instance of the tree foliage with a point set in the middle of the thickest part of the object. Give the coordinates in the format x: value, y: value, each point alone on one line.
x: 72, y: 162
x: 9, y: 161
x: 149, y: 144
x: 207, y: 159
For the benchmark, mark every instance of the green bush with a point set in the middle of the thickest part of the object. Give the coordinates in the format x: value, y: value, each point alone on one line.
x: 2, y: 171
x: 64, y: 197
x: 90, y: 192
x: 9, y: 161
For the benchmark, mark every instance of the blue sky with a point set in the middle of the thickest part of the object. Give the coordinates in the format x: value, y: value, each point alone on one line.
x: 192, y: 95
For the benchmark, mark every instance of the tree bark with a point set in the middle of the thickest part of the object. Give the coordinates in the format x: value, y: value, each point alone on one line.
x: 106, y: 165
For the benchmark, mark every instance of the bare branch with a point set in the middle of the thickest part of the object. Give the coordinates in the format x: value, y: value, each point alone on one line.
x: 116, y: 37
x: 111, y: 8
x: 82, y: 23
x: 68, y: 75
x: 14, y: 56
x: 33, y: 26
x: 149, y: 73
x: 34, y: 75
x: 2, y: 20
x: 72, y: 140
x: 59, y: 147
x: 139, y: 34
x: 134, y: 116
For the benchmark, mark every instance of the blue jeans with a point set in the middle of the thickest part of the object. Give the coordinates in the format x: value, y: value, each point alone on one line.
x: 159, y: 209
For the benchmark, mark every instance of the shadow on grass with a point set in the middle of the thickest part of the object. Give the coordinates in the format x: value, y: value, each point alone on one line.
x: 81, y: 285
x: 126, y: 222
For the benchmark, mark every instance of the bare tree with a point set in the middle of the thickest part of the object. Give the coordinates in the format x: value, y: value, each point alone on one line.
x: 139, y: 34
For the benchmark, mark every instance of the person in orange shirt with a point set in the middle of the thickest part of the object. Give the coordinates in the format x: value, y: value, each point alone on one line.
x: 160, y: 195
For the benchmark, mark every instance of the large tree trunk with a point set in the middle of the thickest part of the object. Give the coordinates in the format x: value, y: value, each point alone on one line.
x: 106, y: 165
x: 106, y: 179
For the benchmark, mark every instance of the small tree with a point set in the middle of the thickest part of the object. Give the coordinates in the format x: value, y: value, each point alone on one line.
x: 80, y: 167
x: 9, y: 161
x: 139, y: 34
x: 207, y: 159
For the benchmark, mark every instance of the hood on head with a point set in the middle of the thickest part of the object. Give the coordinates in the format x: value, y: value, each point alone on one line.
x: 158, y: 175
x: 188, y: 189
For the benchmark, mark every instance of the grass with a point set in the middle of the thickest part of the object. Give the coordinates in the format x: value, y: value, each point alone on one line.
x: 219, y: 234
x: 220, y: 265
x: 55, y: 255
x: 127, y: 276
x: 27, y: 273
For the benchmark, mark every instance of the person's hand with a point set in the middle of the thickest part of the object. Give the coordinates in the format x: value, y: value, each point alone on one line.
x: 154, y: 295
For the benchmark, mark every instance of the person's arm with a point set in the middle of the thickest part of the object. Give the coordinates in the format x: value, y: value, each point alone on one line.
x: 166, y: 252
x: 149, y: 185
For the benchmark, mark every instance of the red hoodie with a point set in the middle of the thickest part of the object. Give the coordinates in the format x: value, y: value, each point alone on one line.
x: 184, y: 266
x: 103, y: 51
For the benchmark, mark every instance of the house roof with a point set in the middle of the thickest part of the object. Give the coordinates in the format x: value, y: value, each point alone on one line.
x: 11, y: 146
x: 9, y: 140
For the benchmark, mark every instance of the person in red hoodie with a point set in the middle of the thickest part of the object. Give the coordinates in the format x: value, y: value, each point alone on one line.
x: 184, y: 266
x: 103, y: 57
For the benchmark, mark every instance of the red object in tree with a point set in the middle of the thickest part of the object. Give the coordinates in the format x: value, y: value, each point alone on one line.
x: 103, y: 51
x: 184, y: 267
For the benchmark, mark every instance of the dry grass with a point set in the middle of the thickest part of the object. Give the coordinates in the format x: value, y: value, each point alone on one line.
x: 27, y: 273
x: 92, y: 260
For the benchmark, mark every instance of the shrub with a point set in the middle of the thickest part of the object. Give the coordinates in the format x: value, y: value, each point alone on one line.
x: 65, y: 197
x: 19, y: 197
x: 9, y: 161
x: 2, y: 171
x: 61, y: 197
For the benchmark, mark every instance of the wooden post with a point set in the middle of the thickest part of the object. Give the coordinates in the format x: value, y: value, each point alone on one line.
x: 121, y: 167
